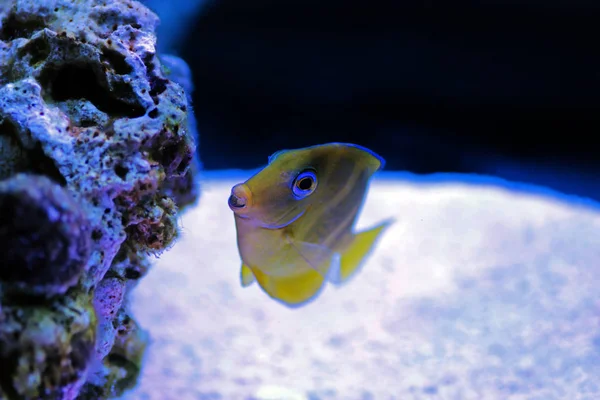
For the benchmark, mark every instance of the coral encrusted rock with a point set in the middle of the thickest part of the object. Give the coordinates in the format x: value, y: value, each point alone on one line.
x: 46, y: 346
x: 97, y: 158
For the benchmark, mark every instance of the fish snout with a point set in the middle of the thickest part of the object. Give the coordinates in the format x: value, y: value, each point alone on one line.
x: 240, y: 198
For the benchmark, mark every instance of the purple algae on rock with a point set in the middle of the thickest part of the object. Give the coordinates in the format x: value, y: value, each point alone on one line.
x: 97, y: 158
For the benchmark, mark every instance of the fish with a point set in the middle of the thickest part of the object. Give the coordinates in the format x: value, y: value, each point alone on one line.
x: 295, y: 220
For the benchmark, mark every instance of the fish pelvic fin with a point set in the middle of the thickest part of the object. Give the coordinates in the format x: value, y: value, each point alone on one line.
x: 294, y: 290
x: 361, y: 245
x: 246, y: 276
x: 315, y: 256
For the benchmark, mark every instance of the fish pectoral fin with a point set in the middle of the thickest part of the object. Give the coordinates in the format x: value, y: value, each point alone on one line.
x: 294, y: 290
x: 246, y: 276
x: 362, y: 243
x: 317, y: 257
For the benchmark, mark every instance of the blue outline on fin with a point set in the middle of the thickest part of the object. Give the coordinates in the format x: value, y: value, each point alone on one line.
x: 342, y: 144
x: 273, y: 156
x: 298, y: 305
x: 366, y: 150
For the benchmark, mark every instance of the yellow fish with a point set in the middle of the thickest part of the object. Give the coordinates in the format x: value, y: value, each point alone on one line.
x: 294, y: 220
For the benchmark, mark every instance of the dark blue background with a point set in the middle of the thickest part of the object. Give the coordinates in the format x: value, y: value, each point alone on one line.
x: 510, y: 88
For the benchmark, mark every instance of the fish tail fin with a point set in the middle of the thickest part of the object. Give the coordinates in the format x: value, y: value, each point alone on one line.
x: 361, y: 245
x: 246, y: 276
x: 293, y: 291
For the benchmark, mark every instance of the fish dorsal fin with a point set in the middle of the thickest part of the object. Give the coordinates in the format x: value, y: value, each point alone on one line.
x: 246, y: 276
x: 317, y: 257
x: 273, y: 156
x: 361, y: 245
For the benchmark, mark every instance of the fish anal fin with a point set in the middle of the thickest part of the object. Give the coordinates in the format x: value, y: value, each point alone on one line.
x: 360, y: 247
x: 294, y: 290
x: 246, y: 276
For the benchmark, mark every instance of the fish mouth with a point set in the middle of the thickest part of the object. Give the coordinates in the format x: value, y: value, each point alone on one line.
x: 236, y: 202
x: 240, y: 198
x: 279, y: 225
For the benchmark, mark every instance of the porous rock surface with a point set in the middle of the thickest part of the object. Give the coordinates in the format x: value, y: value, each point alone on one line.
x: 97, y: 157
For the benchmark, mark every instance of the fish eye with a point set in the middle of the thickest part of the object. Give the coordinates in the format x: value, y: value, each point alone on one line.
x: 304, y: 184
